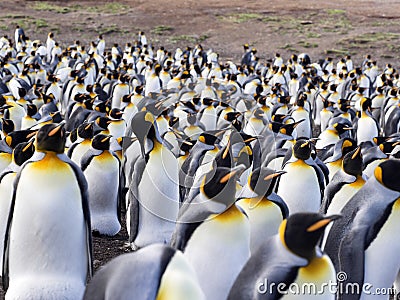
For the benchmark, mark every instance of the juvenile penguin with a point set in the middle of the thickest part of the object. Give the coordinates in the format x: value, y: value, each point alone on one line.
x: 213, y: 232
x: 151, y: 216
x: 154, y: 272
x: 369, y: 247
x: 289, y: 257
x: 264, y: 208
x: 50, y: 198
x: 101, y: 168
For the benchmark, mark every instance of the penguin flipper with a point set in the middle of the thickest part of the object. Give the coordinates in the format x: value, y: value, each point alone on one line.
x: 5, y: 278
x: 83, y: 186
x: 276, y: 199
x: 88, y: 156
x: 140, y: 165
x: 351, y: 258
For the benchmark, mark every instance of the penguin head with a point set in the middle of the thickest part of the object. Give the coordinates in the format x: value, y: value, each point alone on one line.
x: 115, y: 114
x: 144, y: 126
x: 22, y: 152
x: 353, y: 162
x: 302, y: 149
x: 31, y: 109
x: 101, y: 142
x: 85, y: 130
x: 51, y: 137
x: 7, y: 126
x: 387, y: 174
x: 219, y: 184
x: 262, y: 180
x: 347, y: 145
x: 301, y: 232
x: 208, y: 139
x: 287, y: 129
x: 366, y: 103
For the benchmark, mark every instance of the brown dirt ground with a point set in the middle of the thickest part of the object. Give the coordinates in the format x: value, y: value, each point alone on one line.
x: 321, y: 28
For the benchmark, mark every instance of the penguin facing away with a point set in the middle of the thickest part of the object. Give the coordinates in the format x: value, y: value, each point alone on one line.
x: 50, y: 198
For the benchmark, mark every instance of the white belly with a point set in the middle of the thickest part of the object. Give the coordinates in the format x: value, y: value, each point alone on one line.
x: 159, y: 199
x: 102, y: 176
x: 382, y: 261
x: 366, y: 130
x: 6, y: 192
x: 217, y: 251
x: 47, y: 252
x: 299, y: 188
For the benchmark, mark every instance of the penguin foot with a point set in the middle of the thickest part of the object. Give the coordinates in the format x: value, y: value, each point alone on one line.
x: 134, y: 247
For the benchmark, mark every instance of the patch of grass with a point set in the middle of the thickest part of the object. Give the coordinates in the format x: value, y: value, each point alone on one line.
x: 40, y: 23
x: 336, y: 51
x: 14, y: 16
x: 306, y: 44
x: 109, y: 8
x: 203, y: 37
x: 288, y: 47
x: 241, y: 17
x: 312, y: 35
x: 161, y: 29
x: 335, y: 11
x: 45, y: 6
x: 3, y: 27
x: 183, y: 38
x: 107, y: 29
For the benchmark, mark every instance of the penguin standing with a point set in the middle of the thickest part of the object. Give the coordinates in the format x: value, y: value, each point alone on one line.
x: 154, y: 272
x: 21, y: 153
x: 101, y: 168
x: 369, y: 247
x: 367, y: 126
x: 265, y: 209
x: 49, y: 200
x: 151, y: 216
x: 303, y: 184
x: 82, y: 144
x: 213, y: 232
x: 289, y: 257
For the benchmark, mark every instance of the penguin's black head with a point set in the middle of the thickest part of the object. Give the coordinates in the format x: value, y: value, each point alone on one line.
x: 353, y: 162
x: 116, y: 113
x: 220, y: 184
x: 85, y: 130
x: 101, y: 142
x: 288, y: 129
x: 301, y: 232
x: 51, y: 137
x: 348, y: 145
x: 302, y: 149
x: 224, y: 157
x: 31, y: 109
x: 207, y: 138
x: 387, y: 174
x: 342, y: 128
x: 22, y: 152
x: 103, y: 122
x: 366, y: 104
x: 7, y: 125
x: 262, y: 180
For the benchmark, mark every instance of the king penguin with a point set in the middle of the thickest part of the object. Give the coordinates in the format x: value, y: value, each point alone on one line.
x: 21, y: 153
x: 265, y: 209
x: 289, y: 257
x: 154, y: 272
x: 151, y: 216
x: 369, y: 247
x: 213, y: 232
x: 49, y: 200
x: 303, y: 184
x: 101, y: 168
x: 82, y: 144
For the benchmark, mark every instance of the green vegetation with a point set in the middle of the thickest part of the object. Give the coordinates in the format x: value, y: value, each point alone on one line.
x: 161, y: 29
x: 45, y: 6
x: 335, y: 11
x: 109, y: 8
x: 241, y: 17
x: 307, y: 44
x: 183, y: 38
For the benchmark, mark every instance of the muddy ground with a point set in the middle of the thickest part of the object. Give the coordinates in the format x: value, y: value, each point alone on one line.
x: 321, y: 28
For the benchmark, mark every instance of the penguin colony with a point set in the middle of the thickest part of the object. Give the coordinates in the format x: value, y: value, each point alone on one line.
x: 236, y: 181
